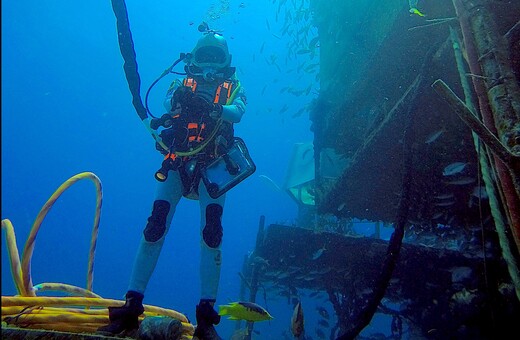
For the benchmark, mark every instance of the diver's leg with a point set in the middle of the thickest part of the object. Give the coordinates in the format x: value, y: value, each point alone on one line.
x: 211, y: 242
x: 168, y: 194
x: 210, y: 261
x: 125, y: 318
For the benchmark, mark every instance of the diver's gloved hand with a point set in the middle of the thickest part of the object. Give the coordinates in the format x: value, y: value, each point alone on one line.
x: 182, y: 96
x: 216, y: 112
x: 199, y: 105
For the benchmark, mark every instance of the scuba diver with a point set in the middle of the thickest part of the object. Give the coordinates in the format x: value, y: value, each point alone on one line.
x: 196, y: 130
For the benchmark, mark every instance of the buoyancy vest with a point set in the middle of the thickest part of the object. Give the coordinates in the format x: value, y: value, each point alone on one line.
x: 199, y: 127
x: 201, y: 130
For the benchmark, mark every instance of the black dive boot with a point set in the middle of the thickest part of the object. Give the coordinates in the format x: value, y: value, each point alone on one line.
x: 124, y: 319
x: 206, y: 318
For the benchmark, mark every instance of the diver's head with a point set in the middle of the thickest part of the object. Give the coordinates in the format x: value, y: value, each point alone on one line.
x: 210, y: 56
x: 211, y: 51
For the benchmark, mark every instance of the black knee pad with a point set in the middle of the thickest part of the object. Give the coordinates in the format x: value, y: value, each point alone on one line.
x: 156, y: 225
x: 212, y: 232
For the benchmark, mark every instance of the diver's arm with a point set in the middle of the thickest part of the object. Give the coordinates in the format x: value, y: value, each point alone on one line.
x: 233, y: 113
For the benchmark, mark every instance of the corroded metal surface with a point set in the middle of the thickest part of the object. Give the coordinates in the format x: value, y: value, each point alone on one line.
x: 438, y: 286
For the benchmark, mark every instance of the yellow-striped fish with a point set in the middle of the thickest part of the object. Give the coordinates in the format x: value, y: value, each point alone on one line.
x: 414, y: 10
x: 242, y: 310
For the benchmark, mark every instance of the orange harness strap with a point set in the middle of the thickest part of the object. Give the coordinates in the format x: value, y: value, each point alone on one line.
x: 190, y: 82
x: 195, y: 129
x: 226, y: 85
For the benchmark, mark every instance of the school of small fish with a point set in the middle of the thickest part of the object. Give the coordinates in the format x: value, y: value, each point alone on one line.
x: 297, y: 63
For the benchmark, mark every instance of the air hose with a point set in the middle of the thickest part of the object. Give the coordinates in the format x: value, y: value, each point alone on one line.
x: 126, y: 46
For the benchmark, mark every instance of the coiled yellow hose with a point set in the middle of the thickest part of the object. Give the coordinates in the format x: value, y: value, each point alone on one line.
x: 85, y: 311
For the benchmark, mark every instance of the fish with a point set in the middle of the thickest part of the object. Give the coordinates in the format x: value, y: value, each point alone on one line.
x: 311, y: 67
x: 324, y: 270
x: 444, y: 196
x: 299, y: 112
x: 297, y: 321
x: 434, y: 136
x: 414, y: 10
x: 283, y: 275
x: 317, y: 254
x: 303, y: 51
x: 260, y: 261
x: 454, y: 168
x: 461, y: 181
x: 243, y: 310
x: 284, y: 108
x: 314, y: 42
x: 437, y: 215
x: 445, y: 203
x: 323, y: 312
x: 480, y: 192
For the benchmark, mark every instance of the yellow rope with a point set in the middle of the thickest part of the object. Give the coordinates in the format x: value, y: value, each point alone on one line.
x: 29, y: 245
x: 45, y: 301
x: 86, y: 311
x: 14, y: 257
x: 62, y: 287
x: 13, y: 310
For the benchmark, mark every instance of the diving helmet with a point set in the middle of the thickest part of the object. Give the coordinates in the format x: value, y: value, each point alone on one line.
x: 211, y: 51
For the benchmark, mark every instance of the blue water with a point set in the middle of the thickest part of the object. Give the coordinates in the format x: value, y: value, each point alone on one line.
x: 66, y: 108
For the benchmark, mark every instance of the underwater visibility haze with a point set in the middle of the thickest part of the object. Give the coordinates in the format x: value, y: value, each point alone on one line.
x: 314, y: 85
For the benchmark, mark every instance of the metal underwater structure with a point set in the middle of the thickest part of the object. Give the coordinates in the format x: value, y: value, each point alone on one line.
x: 417, y: 127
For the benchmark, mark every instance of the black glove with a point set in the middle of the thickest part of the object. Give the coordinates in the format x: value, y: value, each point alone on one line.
x: 199, y: 105
x: 193, y: 104
x: 182, y: 96
x: 216, y: 112
x: 166, y: 121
